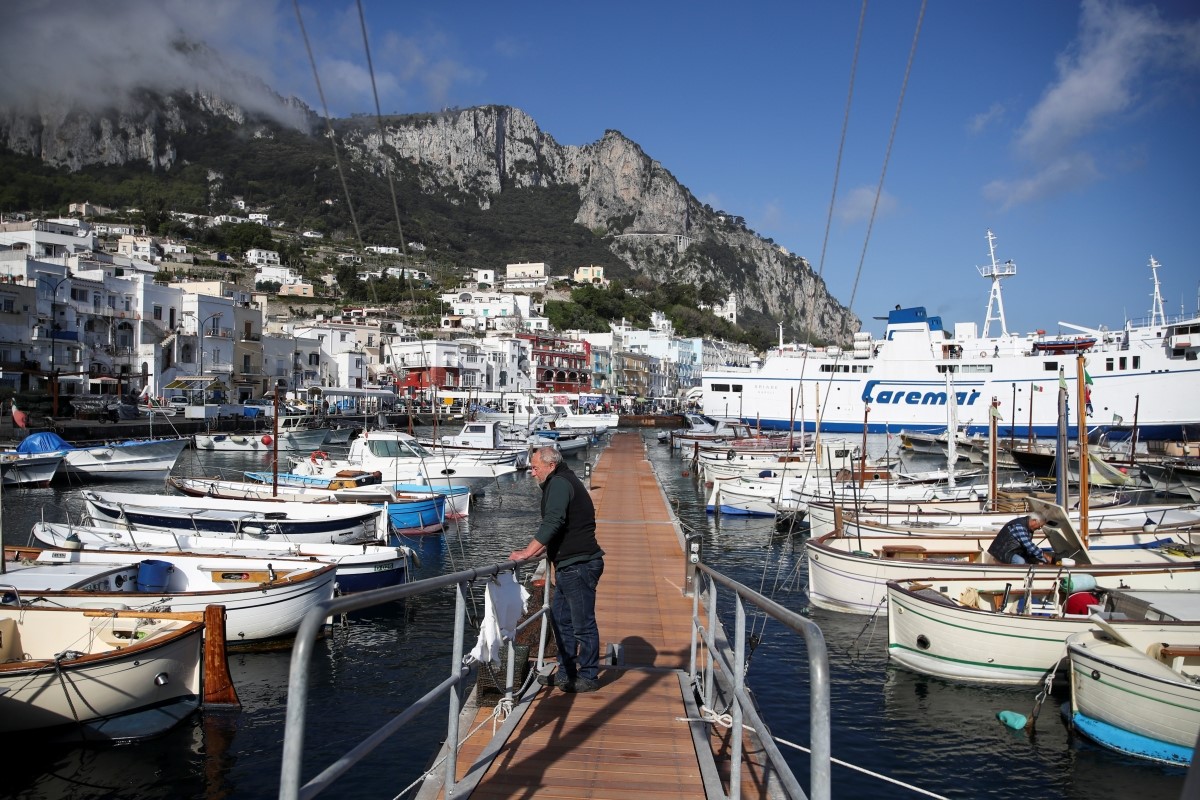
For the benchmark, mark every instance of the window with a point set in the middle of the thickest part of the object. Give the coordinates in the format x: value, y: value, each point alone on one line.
x: 1137, y: 362
x: 1049, y: 366
x: 157, y: 312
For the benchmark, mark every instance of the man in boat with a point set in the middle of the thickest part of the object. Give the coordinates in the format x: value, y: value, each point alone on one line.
x: 1014, y: 543
x: 567, y: 537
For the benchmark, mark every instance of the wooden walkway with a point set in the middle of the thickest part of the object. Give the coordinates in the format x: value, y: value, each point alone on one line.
x: 629, y: 739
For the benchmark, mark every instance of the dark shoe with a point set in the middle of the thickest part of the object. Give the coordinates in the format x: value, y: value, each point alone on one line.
x: 556, y: 678
x: 582, y: 685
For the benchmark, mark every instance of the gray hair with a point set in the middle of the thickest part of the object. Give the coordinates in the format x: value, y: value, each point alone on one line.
x: 549, y: 455
x: 1036, y: 516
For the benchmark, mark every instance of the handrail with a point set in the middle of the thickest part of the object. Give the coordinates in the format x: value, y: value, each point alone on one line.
x: 732, y: 677
x: 290, y: 787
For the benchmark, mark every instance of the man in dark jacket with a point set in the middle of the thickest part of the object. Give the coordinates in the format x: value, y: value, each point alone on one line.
x: 567, y: 537
x: 1014, y: 543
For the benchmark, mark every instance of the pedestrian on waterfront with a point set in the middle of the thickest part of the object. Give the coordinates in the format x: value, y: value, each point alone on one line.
x: 567, y: 537
x: 1014, y: 543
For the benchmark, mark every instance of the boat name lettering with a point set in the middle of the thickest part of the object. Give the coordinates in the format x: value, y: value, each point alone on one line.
x: 906, y: 395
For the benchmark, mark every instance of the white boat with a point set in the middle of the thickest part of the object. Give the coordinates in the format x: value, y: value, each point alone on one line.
x: 483, y: 440
x: 359, y: 566
x: 294, y: 434
x: 94, y: 677
x: 135, y: 458
x: 1137, y: 690
x: 1116, y: 528
x: 597, y: 423
x: 358, y: 486
x: 20, y: 469
x: 264, y: 598
x: 336, y: 523
x: 901, y: 376
x: 1015, y: 634
x: 850, y: 573
x: 400, y: 458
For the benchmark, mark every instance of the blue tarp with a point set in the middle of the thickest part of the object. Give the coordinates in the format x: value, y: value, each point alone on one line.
x: 39, y: 443
x: 251, y: 411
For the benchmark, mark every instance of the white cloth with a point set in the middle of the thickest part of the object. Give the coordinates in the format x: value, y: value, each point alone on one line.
x: 504, y: 601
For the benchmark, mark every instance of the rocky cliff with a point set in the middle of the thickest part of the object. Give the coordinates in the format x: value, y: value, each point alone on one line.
x: 645, y: 216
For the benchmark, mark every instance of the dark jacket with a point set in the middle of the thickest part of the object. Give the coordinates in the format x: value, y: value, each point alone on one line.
x: 1015, y: 537
x: 568, y: 528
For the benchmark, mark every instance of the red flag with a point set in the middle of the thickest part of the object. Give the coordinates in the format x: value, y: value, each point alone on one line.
x: 20, y: 418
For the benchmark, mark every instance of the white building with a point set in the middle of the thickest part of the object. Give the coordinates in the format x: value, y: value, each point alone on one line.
x: 284, y: 276
x: 525, y: 277
x: 261, y: 258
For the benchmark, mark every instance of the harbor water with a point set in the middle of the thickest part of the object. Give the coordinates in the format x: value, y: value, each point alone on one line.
x: 941, y: 737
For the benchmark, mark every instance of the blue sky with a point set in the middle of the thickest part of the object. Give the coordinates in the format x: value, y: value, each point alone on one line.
x: 1067, y: 128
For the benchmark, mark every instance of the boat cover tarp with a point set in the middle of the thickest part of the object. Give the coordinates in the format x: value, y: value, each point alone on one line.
x: 41, y: 443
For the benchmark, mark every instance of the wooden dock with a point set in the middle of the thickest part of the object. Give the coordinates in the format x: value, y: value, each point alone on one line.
x: 632, y: 738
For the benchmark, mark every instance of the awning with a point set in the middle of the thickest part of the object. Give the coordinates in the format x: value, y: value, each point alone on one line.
x: 197, y: 384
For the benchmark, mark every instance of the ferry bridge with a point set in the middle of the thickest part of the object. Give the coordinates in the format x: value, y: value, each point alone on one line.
x: 648, y: 731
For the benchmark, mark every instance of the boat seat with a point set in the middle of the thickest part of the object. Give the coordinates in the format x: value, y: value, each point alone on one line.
x: 10, y: 641
x: 902, y: 551
x: 1176, y: 656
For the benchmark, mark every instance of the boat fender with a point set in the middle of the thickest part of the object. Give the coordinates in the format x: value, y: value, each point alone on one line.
x: 731, y: 454
x: 267, y: 440
x: 1079, y: 582
x: 318, y: 455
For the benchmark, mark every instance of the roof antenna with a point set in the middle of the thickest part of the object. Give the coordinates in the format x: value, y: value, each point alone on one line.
x: 994, y: 271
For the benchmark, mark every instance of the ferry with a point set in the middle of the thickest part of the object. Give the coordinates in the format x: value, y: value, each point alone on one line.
x: 1144, y: 374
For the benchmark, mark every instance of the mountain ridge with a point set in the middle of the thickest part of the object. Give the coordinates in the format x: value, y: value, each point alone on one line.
x: 640, y: 213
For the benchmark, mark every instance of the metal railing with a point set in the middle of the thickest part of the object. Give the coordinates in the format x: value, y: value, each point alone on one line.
x: 730, y: 674
x: 290, y: 787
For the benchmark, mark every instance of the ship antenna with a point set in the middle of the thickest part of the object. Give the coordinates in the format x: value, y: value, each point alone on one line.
x: 1157, y: 317
x: 994, y: 272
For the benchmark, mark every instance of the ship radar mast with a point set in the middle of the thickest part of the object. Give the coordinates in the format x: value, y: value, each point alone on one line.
x: 995, y: 272
x: 1157, y: 317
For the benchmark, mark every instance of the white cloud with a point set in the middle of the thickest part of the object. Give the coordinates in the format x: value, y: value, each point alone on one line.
x: 981, y: 122
x: 857, y: 204
x: 1125, y: 58
x: 1061, y: 175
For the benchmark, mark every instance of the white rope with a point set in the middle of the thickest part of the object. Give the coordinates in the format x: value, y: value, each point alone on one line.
x: 839, y: 762
x: 710, y: 716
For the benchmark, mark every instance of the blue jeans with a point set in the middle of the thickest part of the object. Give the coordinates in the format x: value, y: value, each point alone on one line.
x: 1017, y: 558
x: 573, y: 609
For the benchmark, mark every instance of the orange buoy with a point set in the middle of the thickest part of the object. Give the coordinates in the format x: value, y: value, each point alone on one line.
x: 266, y: 439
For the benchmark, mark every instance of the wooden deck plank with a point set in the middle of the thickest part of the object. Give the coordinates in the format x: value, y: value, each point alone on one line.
x: 628, y: 739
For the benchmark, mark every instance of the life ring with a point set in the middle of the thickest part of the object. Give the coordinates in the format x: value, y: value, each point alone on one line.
x: 317, y: 455
x: 983, y: 353
x: 731, y: 454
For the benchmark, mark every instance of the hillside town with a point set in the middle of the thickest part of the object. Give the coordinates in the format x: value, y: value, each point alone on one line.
x: 91, y: 309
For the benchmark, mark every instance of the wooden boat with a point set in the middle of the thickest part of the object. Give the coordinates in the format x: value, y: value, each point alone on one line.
x: 264, y: 598
x: 359, y: 566
x: 850, y: 573
x: 1014, y: 633
x: 295, y: 522
x: 94, y: 676
x: 135, y: 458
x: 1134, y: 689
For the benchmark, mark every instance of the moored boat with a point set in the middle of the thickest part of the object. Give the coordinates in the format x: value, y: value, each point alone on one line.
x: 1134, y: 689
x: 359, y: 566
x: 95, y: 677
x: 1015, y: 633
x: 135, y: 458
x: 298, y: 522
x: 264, y: 599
